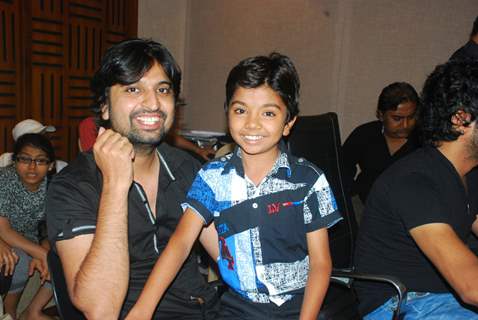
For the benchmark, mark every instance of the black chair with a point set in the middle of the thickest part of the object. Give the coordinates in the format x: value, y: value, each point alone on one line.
x: 317, y: 139
x: 66, y: 309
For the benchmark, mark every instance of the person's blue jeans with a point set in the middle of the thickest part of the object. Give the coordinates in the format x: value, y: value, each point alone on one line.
x: 424, y: 306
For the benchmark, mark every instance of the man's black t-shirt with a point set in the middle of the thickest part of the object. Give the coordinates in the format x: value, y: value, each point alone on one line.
x: 419, y: 189
x: 72, y: 206
x: 367, y: 148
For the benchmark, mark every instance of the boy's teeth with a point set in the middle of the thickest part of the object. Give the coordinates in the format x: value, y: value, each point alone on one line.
x: 253, y: 137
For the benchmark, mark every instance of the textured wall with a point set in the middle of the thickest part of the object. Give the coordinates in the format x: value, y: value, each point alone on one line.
x: 346, y: 51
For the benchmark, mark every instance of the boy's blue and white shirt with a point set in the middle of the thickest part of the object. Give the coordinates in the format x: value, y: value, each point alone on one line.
x: 262, y: 229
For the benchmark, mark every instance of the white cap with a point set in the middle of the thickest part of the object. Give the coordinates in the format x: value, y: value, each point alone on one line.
x: 30, y: 126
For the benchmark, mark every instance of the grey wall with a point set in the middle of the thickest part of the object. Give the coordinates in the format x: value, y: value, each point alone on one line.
x: 346, y: 51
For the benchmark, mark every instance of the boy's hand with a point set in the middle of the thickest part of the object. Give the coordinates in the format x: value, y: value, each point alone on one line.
x: 114, y: 156
x: 136, y: 314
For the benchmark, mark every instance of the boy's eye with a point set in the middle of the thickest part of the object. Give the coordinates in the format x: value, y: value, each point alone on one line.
x: 269, y: 114
x: 132, y: 90
x: 238, y: 110
x: 397, y: 118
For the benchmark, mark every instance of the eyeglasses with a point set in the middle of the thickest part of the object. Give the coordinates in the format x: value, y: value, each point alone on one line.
x: 28, y: 160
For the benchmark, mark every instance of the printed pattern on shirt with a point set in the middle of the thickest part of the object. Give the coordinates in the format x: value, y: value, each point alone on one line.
x: 296, y: 189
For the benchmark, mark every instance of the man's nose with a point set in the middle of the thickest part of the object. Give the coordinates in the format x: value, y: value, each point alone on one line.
x: 150, y: 100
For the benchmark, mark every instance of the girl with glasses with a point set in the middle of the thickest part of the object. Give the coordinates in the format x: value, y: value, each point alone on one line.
x: 22, y: 198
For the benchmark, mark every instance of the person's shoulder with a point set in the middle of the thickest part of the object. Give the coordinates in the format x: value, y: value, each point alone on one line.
x: 83, y: 167
x: 303, y: 169
x: 7, y: 171
x: 178, y: 159
x: 365, y: 132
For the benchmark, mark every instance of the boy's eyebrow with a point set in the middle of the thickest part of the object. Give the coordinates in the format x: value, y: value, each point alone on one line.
x: 264, y: 105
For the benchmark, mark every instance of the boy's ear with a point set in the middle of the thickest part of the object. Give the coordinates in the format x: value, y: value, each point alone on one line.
x: 288, y: 126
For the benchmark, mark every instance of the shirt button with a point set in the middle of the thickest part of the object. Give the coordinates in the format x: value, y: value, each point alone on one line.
x: 254, y: 205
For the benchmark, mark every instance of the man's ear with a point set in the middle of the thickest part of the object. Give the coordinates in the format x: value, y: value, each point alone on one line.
x: 380, y: 115
x: 461, y: 118
x: 288, y: 126
x: 105, y: 112
x: 51, y: 166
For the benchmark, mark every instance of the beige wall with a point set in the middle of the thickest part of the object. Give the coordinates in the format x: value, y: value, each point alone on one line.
x: 346, y: 51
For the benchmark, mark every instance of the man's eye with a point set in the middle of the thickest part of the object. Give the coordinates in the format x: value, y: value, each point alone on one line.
x: 269, y: 114
x: 164, y: 90
x: 397, y: 118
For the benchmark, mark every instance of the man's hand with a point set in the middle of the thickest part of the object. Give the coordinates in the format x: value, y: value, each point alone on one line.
x: 41, y: 266
x: 114, y: 156
x: 8, y: 258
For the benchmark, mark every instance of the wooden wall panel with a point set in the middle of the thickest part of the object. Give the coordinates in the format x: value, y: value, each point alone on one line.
x: 45, y: 72
x: 11, y: 108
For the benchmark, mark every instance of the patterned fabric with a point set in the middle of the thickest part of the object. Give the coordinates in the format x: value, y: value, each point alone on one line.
x: 262, y: 229
x: 23, y: 209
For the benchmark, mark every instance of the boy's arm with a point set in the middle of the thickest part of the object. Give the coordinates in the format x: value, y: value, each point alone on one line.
x: 320, y: 267
x: 168, y: 265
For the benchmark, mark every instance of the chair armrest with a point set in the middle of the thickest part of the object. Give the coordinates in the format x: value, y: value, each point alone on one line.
x: 346, y: 277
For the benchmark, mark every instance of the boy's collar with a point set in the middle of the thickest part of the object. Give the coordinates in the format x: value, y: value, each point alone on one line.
x: 282, y: 161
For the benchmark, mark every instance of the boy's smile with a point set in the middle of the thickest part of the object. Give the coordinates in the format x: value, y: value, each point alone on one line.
x: 257, y: 121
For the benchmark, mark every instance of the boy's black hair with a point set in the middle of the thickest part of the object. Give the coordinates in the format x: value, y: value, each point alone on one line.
x: 452, y: 87
x: 395, y: 94
x: 125, y: 63
x: 35, y: 140
x: 276, y: 71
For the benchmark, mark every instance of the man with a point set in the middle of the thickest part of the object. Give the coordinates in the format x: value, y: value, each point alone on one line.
x: 110, y: 214
x: 470, y: 49
x: 419, y: 212
x: 375, y: 145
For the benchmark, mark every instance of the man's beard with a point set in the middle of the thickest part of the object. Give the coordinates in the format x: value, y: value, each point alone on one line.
x: 138, y: 139
x: 473, y: 144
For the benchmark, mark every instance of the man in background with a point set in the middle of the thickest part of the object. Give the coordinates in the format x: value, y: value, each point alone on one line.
x: 470, y: 49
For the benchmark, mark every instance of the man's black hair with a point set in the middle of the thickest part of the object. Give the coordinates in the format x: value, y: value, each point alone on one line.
x: 276, y: 71
x: 126, y: 62
x: 450, y: 88
x: 395, y: 94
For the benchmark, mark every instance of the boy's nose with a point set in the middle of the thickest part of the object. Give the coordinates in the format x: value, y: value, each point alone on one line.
x: 253, y: 121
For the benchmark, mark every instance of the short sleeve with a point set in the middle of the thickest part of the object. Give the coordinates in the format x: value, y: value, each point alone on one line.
x: 201, y: 198
x: 320, y: 207
x: 71, y: 208
x: 413, y: 196
x: 5, y: 192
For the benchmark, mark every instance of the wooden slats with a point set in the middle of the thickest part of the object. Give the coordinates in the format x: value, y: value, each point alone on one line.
x: 45, y: 70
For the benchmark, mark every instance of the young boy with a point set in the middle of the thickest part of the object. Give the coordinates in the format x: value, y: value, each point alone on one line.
x: 270, y: 209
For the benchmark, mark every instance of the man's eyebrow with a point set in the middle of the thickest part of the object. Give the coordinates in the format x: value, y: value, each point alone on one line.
x: 169, y: 83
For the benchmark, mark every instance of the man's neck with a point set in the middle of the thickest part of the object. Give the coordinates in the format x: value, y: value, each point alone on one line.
x: 145, y: 161
x: 458, y: 154
x: 474, y: 38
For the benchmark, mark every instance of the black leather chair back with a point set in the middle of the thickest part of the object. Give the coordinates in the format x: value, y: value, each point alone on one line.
x: 317, y: 139
x: 65, y: 308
